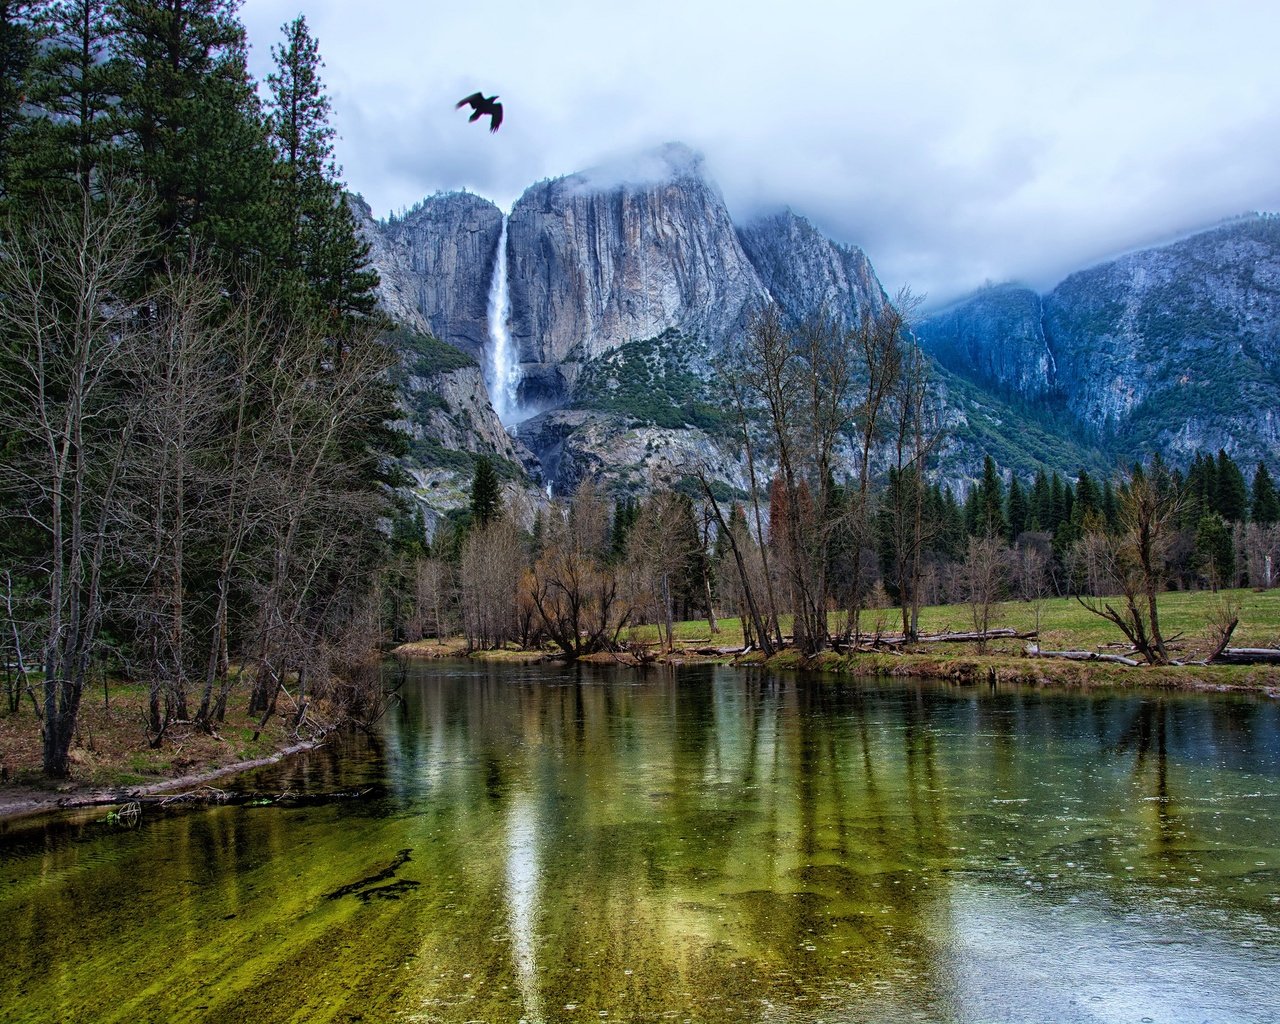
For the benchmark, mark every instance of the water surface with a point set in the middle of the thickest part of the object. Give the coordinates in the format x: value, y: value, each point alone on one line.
x: 560, y: 844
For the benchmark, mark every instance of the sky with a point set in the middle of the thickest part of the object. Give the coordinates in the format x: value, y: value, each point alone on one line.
x: 956, y: 143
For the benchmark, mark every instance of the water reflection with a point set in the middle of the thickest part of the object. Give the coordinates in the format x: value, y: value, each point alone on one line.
x: 716, y: 845
x: 522, y: 901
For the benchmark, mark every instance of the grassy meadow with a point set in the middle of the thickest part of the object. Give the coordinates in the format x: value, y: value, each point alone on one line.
x: 1186, y: 618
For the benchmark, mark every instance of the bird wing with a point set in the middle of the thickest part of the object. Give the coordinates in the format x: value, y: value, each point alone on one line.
x: 476, y: 99
x: 497, y: 116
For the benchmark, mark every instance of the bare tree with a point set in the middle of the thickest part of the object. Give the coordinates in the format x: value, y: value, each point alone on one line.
x: 752, y: 573
x: 64, y: 276
x: 431, y: 588
x: 881, y: 340
x: 176, y: 375
x: 658, y: 553
x: 1030, y: 571
x: 1133, y: 562
x: 917, y: 434
x: 572, y: 586
x: 493, y: 562
x: 984, y: 573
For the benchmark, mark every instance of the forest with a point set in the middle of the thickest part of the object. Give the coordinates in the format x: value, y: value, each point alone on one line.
x: 194, y: 397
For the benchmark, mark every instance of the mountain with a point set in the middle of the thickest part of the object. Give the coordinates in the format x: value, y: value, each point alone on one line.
x: 803, y: 271
x: 623, y: 284
x: 1173, y: 349
x: 436, y: 263
x: 618, y: 254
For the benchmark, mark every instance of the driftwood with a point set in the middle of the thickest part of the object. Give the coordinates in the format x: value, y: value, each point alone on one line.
x: 1246, y: 656
x: 1119, y: 659
x: 1006, y: 633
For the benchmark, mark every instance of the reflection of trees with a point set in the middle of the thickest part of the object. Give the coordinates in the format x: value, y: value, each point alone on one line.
x: 1146, y: 735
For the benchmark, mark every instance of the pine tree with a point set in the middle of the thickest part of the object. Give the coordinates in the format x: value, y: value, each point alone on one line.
x: 20, y: 31
x: 1018, y: 510
x: 74, y: 83
x: 1057, y: 505
x: 991, y: 521
x: 1231, y: 498
x: 1040, y: 512
x: 486, y: 493
x: 193, y: 128
x: 1110, y: 510
x: 323, y: 248
x: 1214, y: 550
x: 1265, y: 510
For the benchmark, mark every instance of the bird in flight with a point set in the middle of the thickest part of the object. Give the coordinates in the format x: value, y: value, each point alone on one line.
x: 481, y: 106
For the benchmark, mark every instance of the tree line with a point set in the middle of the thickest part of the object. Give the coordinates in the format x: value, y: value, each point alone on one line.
x: 195, y: 402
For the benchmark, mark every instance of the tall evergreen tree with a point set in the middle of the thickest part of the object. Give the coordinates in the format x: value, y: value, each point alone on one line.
x: 194, y: 130
x: 1057, y: 504
x: 1019, y: 513
x: 1265, y: 509
x: 1231, y: 499
x: 1214, y: 550
x: 21, y: 24
x: 1110, y: 510
x: 323, y: 248
x: 74, y: 84
x: 1040, y: 511
x: 991, y: 521
x: 486, y: 492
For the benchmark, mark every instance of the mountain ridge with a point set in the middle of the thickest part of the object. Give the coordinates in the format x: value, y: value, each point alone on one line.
x: 637, y: 268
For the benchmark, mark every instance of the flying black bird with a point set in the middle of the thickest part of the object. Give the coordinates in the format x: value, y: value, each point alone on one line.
x: 480, y: 106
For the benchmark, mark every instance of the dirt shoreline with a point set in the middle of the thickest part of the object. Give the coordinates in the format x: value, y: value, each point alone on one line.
x: 28, y: 801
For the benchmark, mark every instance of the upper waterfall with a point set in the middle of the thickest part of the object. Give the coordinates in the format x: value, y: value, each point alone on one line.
x: 502, y: 369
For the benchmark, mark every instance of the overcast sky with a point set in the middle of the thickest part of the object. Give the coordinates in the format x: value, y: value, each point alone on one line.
x: 954, y: 142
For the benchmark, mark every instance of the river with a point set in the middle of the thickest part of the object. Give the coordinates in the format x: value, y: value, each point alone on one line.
x: 544, y: 843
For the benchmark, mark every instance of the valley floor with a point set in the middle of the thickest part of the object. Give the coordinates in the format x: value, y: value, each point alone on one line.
x: 1064, y: 624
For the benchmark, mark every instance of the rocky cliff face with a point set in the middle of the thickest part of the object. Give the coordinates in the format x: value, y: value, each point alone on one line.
x: 1173, y: 349
x: 803, y: 271
x: 1177, y: 347
x: 436, y: 264
x: 621, y: 254
x: 995, y: 338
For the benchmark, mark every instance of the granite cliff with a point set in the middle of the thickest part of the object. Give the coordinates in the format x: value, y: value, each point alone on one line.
x: 1173, y: 349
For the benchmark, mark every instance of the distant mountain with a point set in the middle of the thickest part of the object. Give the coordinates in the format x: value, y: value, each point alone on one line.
x: 1173, y: 349
x: 624, y: 282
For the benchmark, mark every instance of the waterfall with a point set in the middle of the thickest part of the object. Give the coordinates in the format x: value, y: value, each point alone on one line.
x: 503, y: 372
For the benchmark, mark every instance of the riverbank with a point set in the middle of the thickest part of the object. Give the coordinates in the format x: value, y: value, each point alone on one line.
x: 1062, y: 624
x: 962, y: 666
x: 112, y: 762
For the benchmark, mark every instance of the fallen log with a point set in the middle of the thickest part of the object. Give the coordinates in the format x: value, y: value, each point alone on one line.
x: 1119, y: 659
x: 1006, y: 633
x: 1246, y: 656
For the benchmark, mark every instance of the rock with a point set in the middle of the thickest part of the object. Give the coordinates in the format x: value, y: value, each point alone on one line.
x: 623, y: 253
x: 995, y: 338
x: 803, y: 271
x: 436, y: 264
x: 1173, y: 349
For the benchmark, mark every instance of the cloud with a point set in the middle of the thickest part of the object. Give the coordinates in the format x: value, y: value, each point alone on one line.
x: 953, y: 143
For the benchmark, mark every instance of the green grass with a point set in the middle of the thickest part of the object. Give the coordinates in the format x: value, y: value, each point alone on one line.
x: 1064, y: 623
